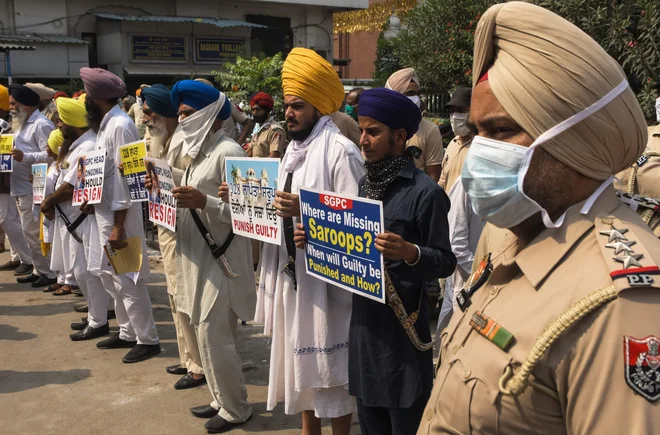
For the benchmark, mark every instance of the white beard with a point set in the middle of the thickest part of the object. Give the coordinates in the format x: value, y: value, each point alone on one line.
x: 18, y: 119
x: 159, y: 137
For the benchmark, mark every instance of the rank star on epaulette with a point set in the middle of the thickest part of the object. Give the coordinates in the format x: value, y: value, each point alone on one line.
x: 621, y: 246
x: 615, y: 234
x: 629, y: 260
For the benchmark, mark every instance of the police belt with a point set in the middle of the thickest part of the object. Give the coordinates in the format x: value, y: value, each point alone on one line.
x: 71, y: 227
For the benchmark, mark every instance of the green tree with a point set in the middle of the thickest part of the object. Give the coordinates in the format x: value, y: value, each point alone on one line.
x: 248, y: 76
x: 439, y: 37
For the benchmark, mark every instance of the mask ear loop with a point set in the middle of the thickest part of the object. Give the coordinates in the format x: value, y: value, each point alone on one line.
x: 556, y: 131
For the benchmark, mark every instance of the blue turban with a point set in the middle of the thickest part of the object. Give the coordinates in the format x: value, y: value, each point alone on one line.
x: 198, y: 95
x: 157, y: 98
x: 391, y: 108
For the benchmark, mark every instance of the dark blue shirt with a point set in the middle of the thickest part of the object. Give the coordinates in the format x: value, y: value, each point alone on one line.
x: 385, y: 369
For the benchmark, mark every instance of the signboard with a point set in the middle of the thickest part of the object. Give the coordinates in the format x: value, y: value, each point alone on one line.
x: 341, y: 232
x: 155, y: 48
x: 88, y: 181
x: 217, y: 50
x: 132, y: 159
x: 162, y: 205
x: 6, y: 147
x: 252, y: 183
x: 39, y: 182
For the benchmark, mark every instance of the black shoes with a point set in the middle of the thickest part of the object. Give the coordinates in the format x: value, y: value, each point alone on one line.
x: 23, y: 269
x: 44, y: 281
x: 88, y: 333
x: 31, y: 278
x: 11, y: 265
x: 204, y: 411
x: 115, y: 342
x: 188, y: 381
x: 79, y: 326
x: 218, y: 424
x: 141, y: 352
x: 80, y: 307
x: 176, y: 370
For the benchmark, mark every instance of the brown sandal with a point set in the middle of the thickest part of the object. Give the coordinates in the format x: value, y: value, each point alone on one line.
x: 52, y: 288
x: 63, y: 291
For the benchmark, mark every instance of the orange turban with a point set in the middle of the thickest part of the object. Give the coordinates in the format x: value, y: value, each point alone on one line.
x: 4, y: 98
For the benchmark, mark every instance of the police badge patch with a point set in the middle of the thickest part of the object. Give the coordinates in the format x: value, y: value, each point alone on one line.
x: 642, y: 366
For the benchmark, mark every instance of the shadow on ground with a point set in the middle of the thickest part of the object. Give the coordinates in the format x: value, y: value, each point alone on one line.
x: 12, y: 381
x: 8, y: 332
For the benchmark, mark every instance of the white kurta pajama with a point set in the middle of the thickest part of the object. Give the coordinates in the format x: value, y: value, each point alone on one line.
x: 213, y: 301
x: 309, y: 353
x: 68, y: 255
x: 132, y: 304
x: 186, y: 337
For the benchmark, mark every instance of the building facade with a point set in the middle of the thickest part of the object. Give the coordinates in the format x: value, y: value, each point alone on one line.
x: 156, y: 40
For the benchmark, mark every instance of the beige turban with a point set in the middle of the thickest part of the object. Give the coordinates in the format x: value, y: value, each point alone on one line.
x: 543, y: 70
x: 44, y: 92
x: 400, y: 80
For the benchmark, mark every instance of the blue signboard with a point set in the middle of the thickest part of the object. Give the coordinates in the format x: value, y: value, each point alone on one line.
x: 217, y: 50
x: 341, y: 232
x: 158, y: 48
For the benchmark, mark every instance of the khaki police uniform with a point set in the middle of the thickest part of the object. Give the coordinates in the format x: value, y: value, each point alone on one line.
x: 545, y: 365
x: 452, y: 164
x: 268, y: 139
x: 347, y: 125
x: 429, y: 140
x: 640, y: 183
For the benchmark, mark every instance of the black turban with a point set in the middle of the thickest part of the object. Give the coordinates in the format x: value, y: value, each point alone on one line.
x: 24, y: 95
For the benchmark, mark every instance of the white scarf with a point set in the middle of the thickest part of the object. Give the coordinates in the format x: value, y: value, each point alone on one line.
x: 196, y: 126
x: 297, y: 150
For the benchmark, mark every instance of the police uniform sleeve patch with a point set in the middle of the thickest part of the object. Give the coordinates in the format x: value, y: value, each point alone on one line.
x: 642, y: 366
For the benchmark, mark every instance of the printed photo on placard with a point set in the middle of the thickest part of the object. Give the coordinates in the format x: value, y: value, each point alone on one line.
x: 252, y: 183
x: 162, y: 205
x: 88, y: 182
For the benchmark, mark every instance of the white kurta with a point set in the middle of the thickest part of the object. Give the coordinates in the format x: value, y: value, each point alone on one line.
x: 200, y: 279
x: 465, y: 228
x: 117, y: 129
x: 309, y: 353
x: 52, y: 174
x: 65, y: 248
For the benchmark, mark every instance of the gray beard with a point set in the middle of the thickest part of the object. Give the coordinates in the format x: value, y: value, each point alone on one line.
x: 18, y: 120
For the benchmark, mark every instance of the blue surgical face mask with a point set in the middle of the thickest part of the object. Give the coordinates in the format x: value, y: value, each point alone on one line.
x: 490, y: 179
x: 494, y: 172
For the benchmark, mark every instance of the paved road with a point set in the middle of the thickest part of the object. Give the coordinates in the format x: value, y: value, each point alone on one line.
x: 51, y: 385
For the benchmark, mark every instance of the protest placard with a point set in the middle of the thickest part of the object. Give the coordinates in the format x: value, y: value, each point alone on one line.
x: 88, y: 186
x: 251, y: 197
x: 6, y: 147
x: 341, y: 232
x: 162, y: 205
x: 39, y: 182
x: 132, y: 159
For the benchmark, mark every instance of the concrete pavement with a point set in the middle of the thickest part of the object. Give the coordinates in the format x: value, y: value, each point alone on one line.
x: 51, y: 385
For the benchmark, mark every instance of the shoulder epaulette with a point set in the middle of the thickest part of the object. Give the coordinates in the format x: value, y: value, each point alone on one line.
x: 627, y: 259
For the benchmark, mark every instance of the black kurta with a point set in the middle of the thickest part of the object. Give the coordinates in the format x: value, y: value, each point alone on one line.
x: 385, y: 369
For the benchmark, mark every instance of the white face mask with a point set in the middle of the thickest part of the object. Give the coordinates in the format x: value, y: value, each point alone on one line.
x: 415, y: 99
x: 458, y: 123
x: 139, y: 101
x: 494, y: 172
x: 196, y: 126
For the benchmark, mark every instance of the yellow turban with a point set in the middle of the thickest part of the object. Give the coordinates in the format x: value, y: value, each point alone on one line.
x: 400, y: 80
x: 72, y: 112
x: 543, y: 70
x: 307, y: 75
x: 55, y: 140
x: 82, y: 97
x: 4, y: 98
